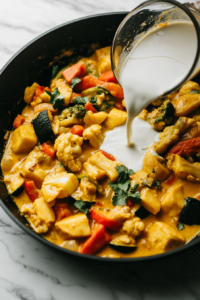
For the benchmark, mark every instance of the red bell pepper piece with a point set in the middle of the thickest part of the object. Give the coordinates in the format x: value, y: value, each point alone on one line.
x: 77, y: 130
x: 118, y: 104
x: 31, y: 190
x: 61, y: 210
x: 104, y: 220
x: 39, y: 91
x: 186, y: 148
x: 99, y: 238
x: 91, y: 81
x: 19, y: 120
x: 75, y: 95
x: 108, y: 77
x: 130, y: 203
x: 49, y: 150
x: 108, y: 155
x: 170, y: 179
x: 89, y: 106
x: 77, y: 70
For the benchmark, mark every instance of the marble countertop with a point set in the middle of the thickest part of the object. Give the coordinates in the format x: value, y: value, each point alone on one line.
x: 31, y: 271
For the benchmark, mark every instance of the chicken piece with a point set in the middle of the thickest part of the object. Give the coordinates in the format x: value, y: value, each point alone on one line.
x: 164, y: 237
x: 86, y: 191
x: 115, y: 118
x: 31, y: 169
x: 76, y: 226
x: 94, y: 135
x: 24, y: 139
x: 184, y: 123
x: 64, y: 90
x: 186, y: 104
x: 168, y: 138
x: 60, y: 185
x: 29, y: 92
x: 154, y: 167
x: 100, y: 161
x: 173, y: 202
x: 68, y: 148
x: 103, y: 56
x: 39, y: 215
x: 133, y: 227
x: 150, y: 200
x: 120, y: 213
x: 94, y: 171
x: 97, y: 118
x: 188, y: 88
x: 182, y: 168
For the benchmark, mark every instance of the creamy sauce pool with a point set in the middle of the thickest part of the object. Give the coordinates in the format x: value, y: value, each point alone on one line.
x: 159, y: 61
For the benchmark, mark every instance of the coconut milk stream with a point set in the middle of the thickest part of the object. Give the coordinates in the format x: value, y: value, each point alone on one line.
x: 157, y: 64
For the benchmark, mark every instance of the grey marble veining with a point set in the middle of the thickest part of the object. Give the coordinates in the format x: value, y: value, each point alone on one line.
x: 32, y: 271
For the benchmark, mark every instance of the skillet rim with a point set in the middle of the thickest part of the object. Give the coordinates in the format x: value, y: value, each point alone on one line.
x: 38, y: 237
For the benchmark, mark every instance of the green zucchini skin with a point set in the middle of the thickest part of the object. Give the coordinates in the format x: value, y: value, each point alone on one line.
x: 122, y: 248
x: 42, y: 127
x: 190, y: 214
x: 18, y: 191
x: 142, y: 213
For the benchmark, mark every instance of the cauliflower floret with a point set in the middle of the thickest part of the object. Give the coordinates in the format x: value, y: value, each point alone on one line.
x: 86, y: 191
x: 94, y: 135
x: 124, y: 240
x: 97, y: 118
x: 120, y: 213
x: 68, y: 148
x: 168, y: 138
x: 133, y: 227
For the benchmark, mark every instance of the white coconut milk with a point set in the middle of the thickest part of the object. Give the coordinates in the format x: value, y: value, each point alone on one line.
x: 157, y: 64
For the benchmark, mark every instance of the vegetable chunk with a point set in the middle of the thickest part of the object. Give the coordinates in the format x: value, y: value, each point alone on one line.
x: 115, y: 118
x: 94, y: 135
x: 104, y: 62
x: 173, y: 202
x: 76, y: 226
x: 150, y: 200
x: 153, y: 165
x: 24, y: 139
x: 164, y: 237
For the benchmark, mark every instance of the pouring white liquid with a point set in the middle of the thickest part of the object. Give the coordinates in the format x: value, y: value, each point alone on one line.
x: 158, y: 63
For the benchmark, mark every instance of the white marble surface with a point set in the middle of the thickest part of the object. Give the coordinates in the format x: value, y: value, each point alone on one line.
x: 32, y: 271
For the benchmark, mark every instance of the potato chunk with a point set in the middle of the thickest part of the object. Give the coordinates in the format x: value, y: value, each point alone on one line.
x: 107, y: 165
x: 29, y: 92
x: 97, y: 118
x: 164, y: 237
x: 103, y: 56
x: 150, y: 200
x: 153, y: 165
x: 76, y: 226
x: 173, y: 202
x: 94, y: 171
x: 24, y: 139
x: 115, y: 118
x: 186, y: 104
x: 188, y: 87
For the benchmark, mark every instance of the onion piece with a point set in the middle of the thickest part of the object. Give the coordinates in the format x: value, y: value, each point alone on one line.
x: 70, y: 245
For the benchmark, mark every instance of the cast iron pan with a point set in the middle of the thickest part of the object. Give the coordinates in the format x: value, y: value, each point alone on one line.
x: 32, y: 63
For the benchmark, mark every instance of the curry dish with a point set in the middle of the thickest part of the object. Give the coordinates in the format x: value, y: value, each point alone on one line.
x: 80, y: 197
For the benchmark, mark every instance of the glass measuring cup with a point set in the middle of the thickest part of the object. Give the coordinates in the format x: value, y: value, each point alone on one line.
x: 142, y: 19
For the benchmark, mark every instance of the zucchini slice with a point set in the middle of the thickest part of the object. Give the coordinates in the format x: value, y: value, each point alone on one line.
x: 142, y: 213
x: 42, y: 127
x: 122, y: 248
x: 18, y: 191
x: 190, y: 214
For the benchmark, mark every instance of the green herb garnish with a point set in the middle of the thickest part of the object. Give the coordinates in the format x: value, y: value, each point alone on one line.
x: 54, y: 71
x: 81, y: 100
x: 83, y: 206
x: 56, y: 99
x: 153, y: 171
x: 180, y: 226
x: 157, y: 184
x: 194, y: 92
x: 75, y: 81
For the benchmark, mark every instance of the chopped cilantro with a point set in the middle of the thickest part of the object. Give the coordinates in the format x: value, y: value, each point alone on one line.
x: 80, y: 100
x: 123, y: 172
x: 157, y: 183
x: 134, y: 196
x: 194, y: 92
x: 83, y: 206
x: 132, y: 189
x: 75, y: 81
x: 180, y: 226
x: 62, y: 165
x: 153, y: 171
x: 166, y: 112
x: 54, y: 71
x: 56, y: 99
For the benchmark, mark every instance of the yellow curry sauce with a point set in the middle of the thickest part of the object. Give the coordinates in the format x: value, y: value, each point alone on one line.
x: 161, y: 197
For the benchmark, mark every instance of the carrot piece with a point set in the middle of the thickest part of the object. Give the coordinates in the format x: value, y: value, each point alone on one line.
x: 91, y: 81
x: 89, y: 106
x: 108, y: 77
x: 49, y: 150
x: 75, y: 95
x: 99, y: 238
x: 118, y: 104
x: 19, y: 120
x: 108, y: 155
x: 39, y: 91
x: 61, y: 210
x: 104, y: 220
x: 44, y: 106
x: 186, y: 148
x: 31, y: 190
x: 77, y: 70
x: 170, y: 179
x: 77, y: 130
